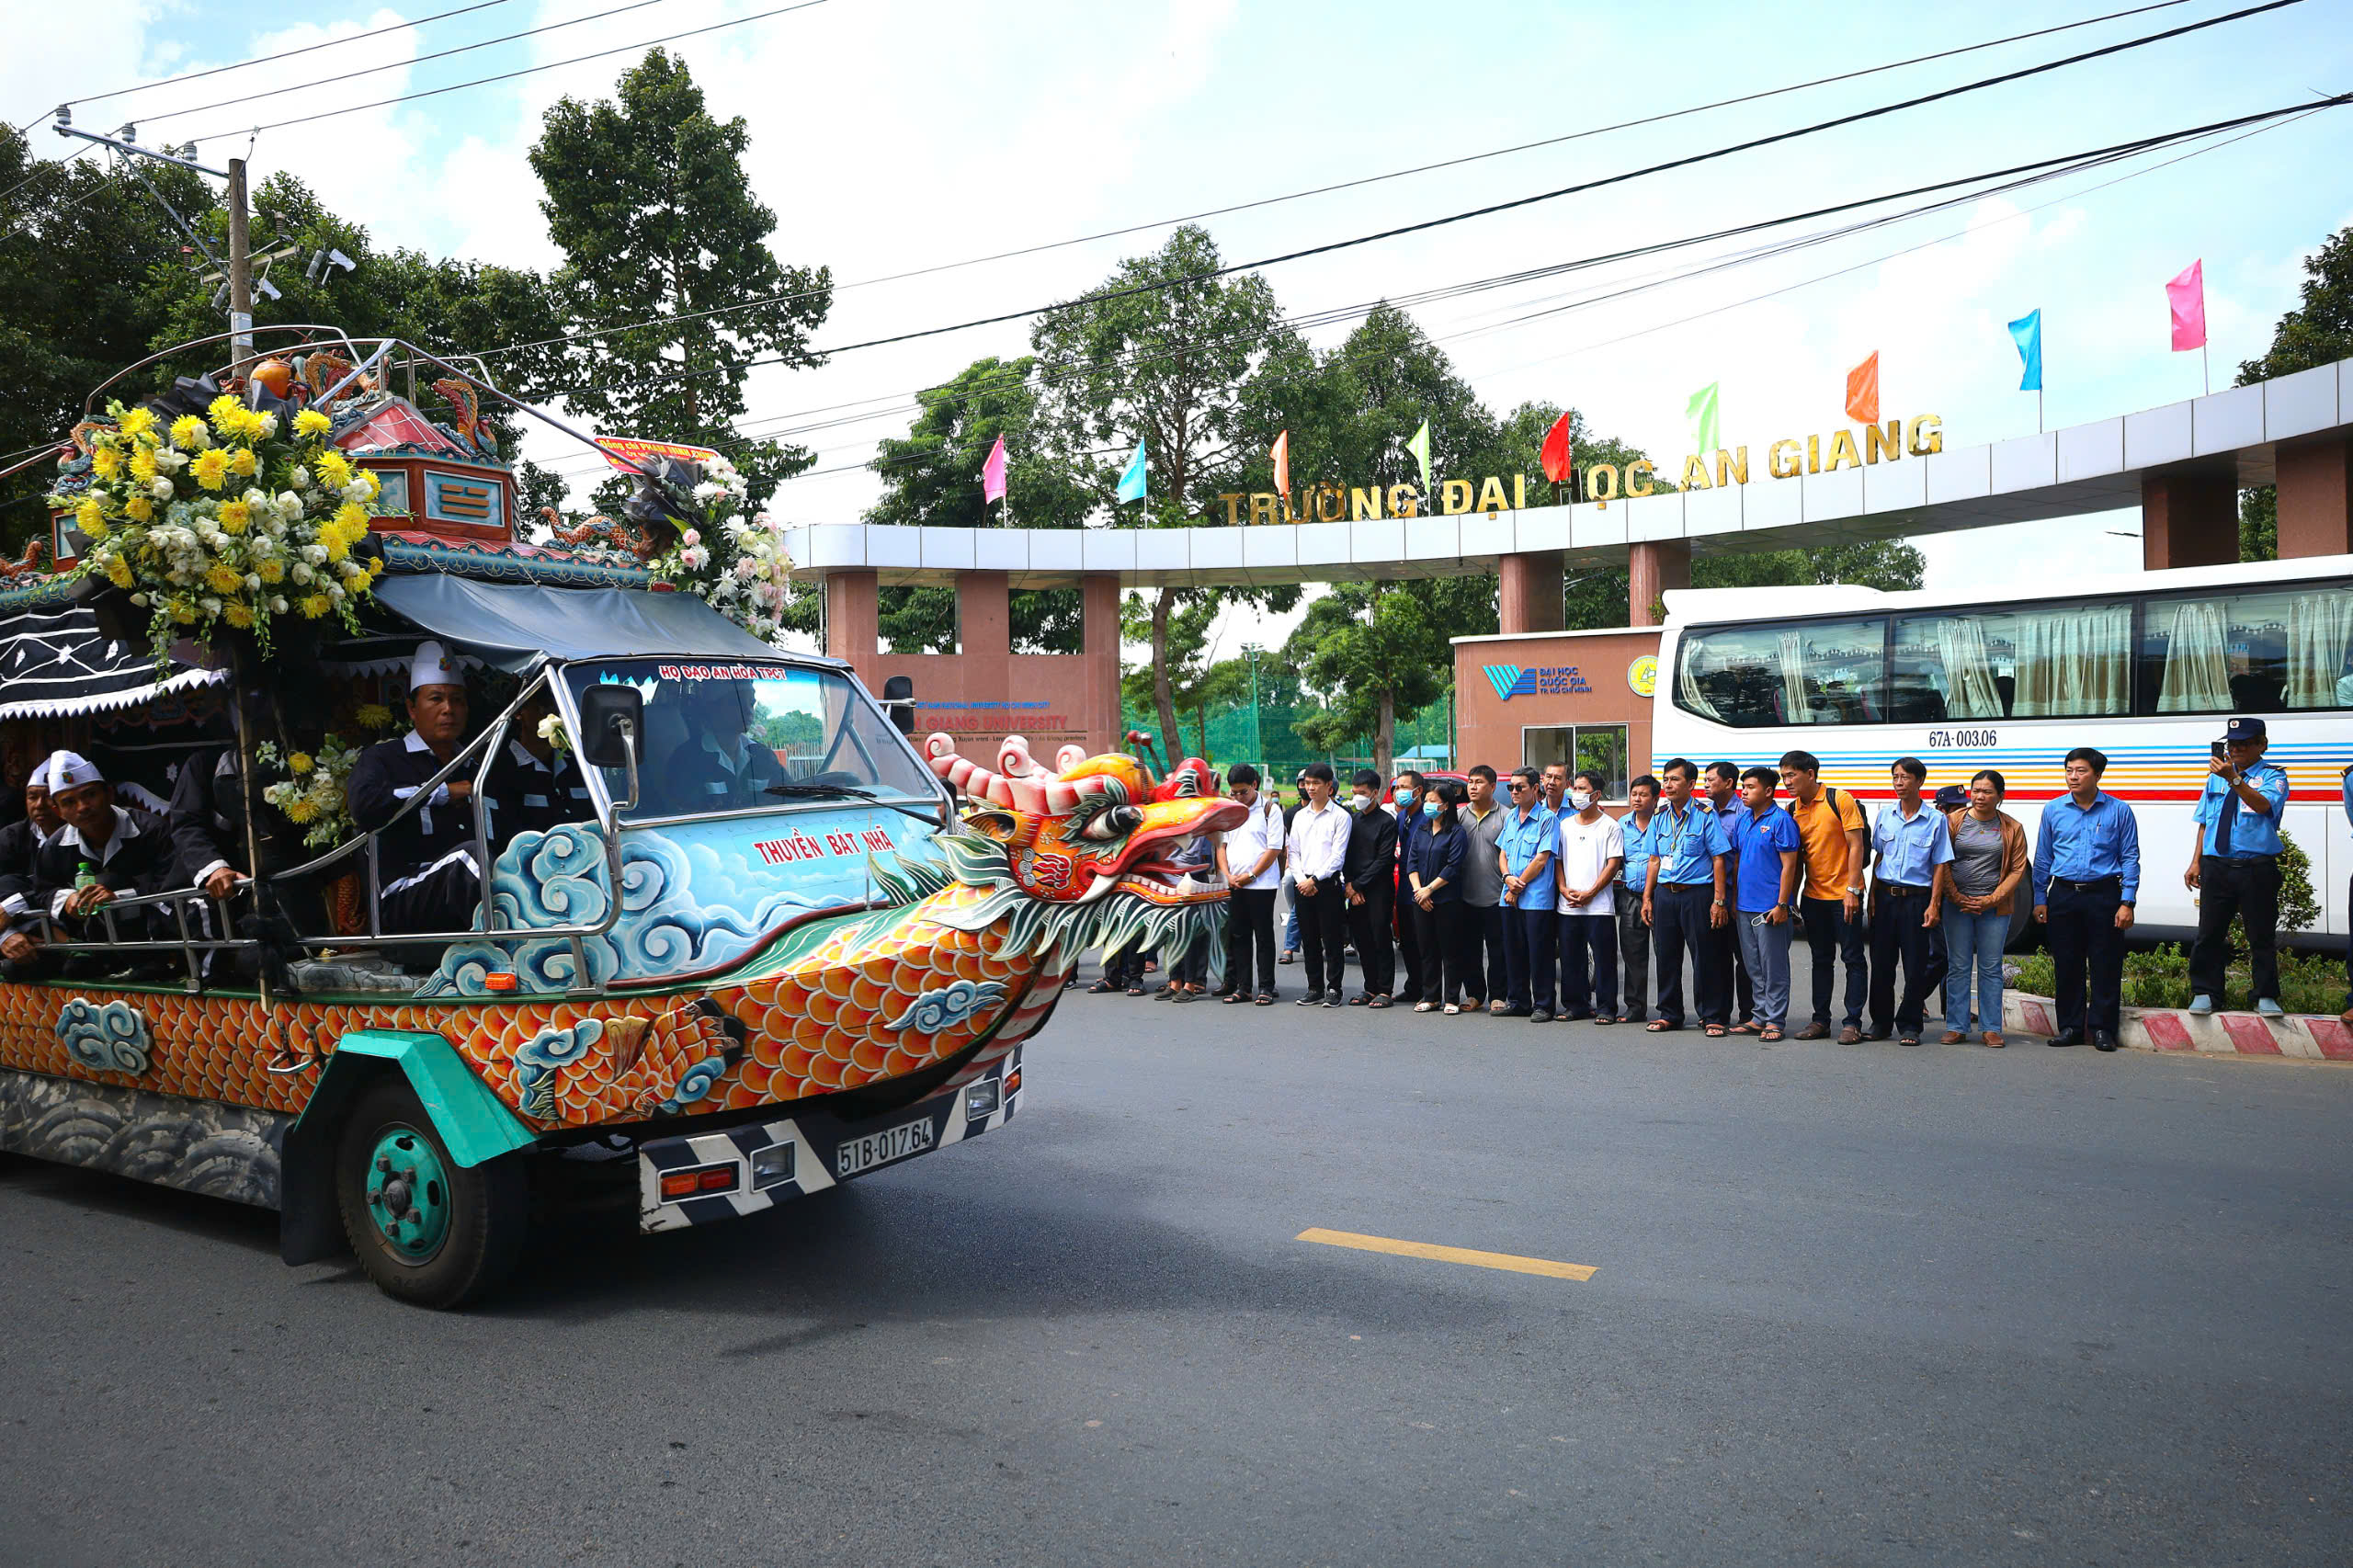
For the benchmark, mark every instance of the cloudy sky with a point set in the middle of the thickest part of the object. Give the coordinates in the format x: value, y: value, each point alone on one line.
x: 895, y: 135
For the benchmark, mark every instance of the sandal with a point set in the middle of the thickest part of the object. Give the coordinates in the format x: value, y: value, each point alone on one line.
x: 1742, y: 1029
x: 1135, y: 990
x: 1660, y: 1026
x: 1450, y: 1010
x: 1265, y: 999
x: 1378, y: 1001
x: 1713, y: 1032
x: 1426, y: 1008
x: 1099, y: 987
x: 1233, y: 998
x: 1360, y: 1000
x: 1769, y: 1035
x: 1603, y: 1018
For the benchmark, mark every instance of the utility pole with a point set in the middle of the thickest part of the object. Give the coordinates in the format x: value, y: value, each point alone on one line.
x: 240, y: 269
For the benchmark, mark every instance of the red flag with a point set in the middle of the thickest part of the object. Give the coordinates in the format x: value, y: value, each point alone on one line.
x: 1281, y: 454
x: 1862, y: 391
x: 1555, y: 455
x: 2186, y: 295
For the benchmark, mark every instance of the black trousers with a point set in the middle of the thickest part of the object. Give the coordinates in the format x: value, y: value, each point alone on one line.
x: 1486, y: 973
x: 1634, y: 953
x: 1368, y: 929
x: 1250, y: 928
x: 2087, y: 954
x: 1680, y: 925
x: 446, y: 897
x: 1191, y: 967
x: 1438, y: 933
x: 1323, y: 935
x: 1832, y: 938
x: 2250, y: 890
x: 1528, y: 939
x: 1589, y: 987
x: 1409, y: 945
x: 1897, y: 936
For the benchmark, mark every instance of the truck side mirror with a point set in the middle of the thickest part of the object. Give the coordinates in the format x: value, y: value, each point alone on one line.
x: 608, y: 714
x: 899, y: 702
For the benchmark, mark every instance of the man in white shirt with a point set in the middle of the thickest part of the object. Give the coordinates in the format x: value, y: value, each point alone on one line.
x: 1250, y: 858
x: 1318, y: 848
x: 1593, y: 847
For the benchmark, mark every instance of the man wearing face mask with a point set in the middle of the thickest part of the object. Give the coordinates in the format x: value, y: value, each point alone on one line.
x: 1250, y: 859
x: 1370, y: 879
x: 1406, y: 807
x: 1483, y: 892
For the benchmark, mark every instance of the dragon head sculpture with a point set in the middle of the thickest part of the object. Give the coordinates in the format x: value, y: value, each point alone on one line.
x: 1084, y: 855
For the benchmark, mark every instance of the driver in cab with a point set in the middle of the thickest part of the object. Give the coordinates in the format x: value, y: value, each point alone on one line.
x: 719, y: 766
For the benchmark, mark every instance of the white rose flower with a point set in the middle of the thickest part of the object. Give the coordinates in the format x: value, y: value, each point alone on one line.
x: 299, y: 571
x: 289, y: 506
x: 269, y: 426
x: 278, y: 604
x: 209, y: 604
x: 301, y: 477
x: 335, y: 593
x: 170, y: 461
x: 139, y: 599
x: 252, y: 583
x: 161, y: 488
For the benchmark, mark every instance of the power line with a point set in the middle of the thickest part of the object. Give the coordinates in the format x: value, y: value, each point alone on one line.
x: 265, y: 59
x: 2073, y: 163
x: 1493, y: 208
x: 1328, y: 189
x: 401, y: 64
x: 549, y: 65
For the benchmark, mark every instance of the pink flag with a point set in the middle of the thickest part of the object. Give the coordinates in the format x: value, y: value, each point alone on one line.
x: 993, y: 474
x: 2186, y: 295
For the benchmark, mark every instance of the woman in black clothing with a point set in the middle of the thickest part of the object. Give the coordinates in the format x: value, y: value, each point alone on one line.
x: 1434, y: 877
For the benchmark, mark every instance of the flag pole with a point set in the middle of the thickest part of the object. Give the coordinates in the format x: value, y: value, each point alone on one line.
x: 2206, y: 369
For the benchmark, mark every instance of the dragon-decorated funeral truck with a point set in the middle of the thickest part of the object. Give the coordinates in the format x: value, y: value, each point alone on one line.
x: 705, y: 926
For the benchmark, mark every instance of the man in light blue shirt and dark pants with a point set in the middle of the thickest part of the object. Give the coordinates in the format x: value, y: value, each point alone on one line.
x: 1909, y: 840
x: 2234, y: 867
x: 1524, y: 845
x: 2086, y: 880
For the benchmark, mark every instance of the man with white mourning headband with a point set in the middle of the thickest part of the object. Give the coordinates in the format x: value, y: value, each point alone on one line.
x: 431, y: 881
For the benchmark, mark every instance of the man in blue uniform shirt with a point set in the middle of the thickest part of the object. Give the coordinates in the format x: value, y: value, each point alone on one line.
x: 2086, y: 878
x: 2234, y: 867
x: 1684, y: 902
x: 1909, y: 840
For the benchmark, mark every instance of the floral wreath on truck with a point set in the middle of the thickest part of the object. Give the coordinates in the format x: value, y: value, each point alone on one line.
x: 232, y: 517
x: 734, y: 562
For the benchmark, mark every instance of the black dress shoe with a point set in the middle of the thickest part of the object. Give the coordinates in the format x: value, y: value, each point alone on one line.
x: 2103, y: 1040
x: 2068, y: 1037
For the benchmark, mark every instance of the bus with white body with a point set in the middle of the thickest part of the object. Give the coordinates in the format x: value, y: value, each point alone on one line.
x: 2146, y: 667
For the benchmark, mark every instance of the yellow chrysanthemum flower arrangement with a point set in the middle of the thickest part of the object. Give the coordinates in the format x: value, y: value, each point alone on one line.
x: 230, y: 516
x: 312, y: 794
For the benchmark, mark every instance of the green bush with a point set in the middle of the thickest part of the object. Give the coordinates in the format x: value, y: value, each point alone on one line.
x: 2159, y: 977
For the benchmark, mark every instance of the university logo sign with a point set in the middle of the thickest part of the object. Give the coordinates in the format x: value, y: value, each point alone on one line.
x: 1551, y: 680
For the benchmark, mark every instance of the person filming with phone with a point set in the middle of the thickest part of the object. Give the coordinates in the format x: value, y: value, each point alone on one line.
x: 2234, y: 867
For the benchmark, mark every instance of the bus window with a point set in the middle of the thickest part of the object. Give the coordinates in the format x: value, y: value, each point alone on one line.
x: 1818, y: 671
x: 2072, y: 660
x: 2260, y: 653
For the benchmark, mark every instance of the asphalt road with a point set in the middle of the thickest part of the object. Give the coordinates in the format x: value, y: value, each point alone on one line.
x: 1852, y: 1306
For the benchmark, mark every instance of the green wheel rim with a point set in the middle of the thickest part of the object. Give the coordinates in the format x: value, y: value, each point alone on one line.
x: 408, y: 1194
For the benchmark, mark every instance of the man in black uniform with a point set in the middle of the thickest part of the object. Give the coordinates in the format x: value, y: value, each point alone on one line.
x: 1369, y: 885
x: 21, y: 842
x: 103, y: 852
x: 431, y: 881
x: 719, y: 767
x: 532, y: 786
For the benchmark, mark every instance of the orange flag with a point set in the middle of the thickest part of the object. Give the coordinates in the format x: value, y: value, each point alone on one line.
x: 1281, y: 454
x: 1862, y: 391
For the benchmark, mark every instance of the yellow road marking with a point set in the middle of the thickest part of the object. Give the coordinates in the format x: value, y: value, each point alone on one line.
x: 1475, y: 1258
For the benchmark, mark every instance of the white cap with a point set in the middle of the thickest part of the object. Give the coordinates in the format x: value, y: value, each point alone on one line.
x: 69, y: 771
x: 432, y: 666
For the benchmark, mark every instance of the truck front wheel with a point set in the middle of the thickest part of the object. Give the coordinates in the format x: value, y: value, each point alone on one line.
x: 427, y: 1228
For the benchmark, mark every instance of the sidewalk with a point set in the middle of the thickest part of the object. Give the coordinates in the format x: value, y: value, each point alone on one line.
x: 2312, y: 1036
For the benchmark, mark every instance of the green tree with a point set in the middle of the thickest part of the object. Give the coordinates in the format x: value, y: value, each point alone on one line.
x: 647, y: 198
x: 1171, y: 365
x: 2319, y: 332
x: 1373, y: 649
x: 79, y: 257
x: 931, y: 478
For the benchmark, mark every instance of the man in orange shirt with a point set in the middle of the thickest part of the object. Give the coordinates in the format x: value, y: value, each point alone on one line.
x: 1834, y: 839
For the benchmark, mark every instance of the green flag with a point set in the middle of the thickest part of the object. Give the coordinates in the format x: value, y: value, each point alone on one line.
x: 1420, y: 447
x: 1702, y: 412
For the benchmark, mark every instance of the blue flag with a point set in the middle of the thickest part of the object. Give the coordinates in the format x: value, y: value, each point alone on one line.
x: 2027, y: 333
x: 1131, y: 477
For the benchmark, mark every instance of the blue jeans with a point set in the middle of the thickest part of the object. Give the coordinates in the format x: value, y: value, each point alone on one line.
x: 1979, y: 937
x: 1290, y: 915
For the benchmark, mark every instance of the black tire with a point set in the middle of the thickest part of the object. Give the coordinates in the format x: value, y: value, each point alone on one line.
x: 487, y: 1207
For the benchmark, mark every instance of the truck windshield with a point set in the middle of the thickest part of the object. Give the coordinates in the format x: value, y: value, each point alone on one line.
x: 739, y: 737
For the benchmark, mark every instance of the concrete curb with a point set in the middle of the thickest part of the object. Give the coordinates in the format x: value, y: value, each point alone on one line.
x: 2312, y: 1037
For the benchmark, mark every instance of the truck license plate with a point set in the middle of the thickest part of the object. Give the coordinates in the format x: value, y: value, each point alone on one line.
x: 872, y: 1149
